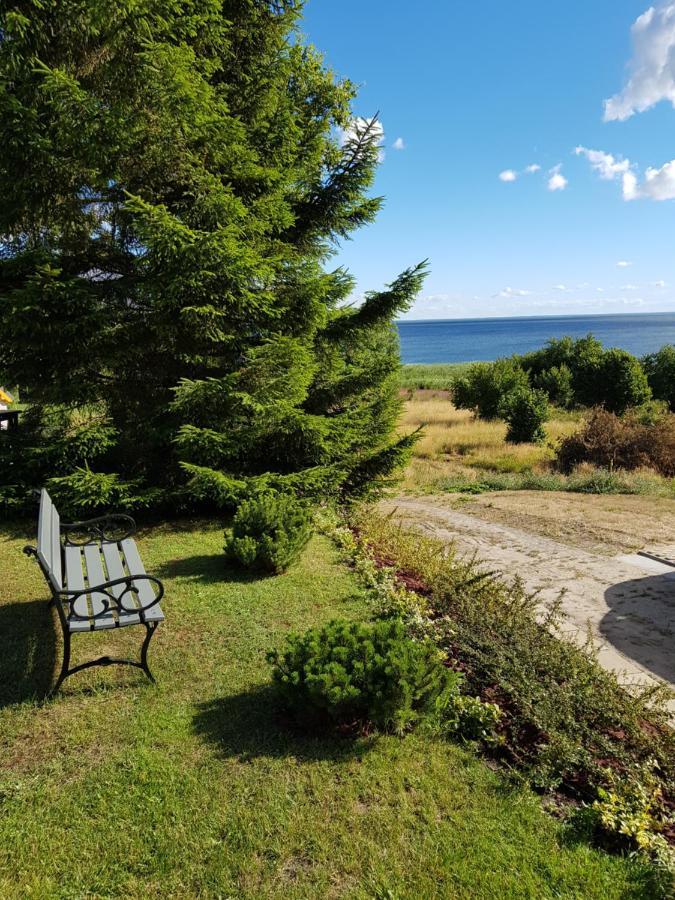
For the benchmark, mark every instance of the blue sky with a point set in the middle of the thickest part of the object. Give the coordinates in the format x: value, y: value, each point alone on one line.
x: 477, y: 90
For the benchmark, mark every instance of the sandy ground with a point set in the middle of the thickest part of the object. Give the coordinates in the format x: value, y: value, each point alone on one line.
x: 605, y: 524
x: 585, y: 545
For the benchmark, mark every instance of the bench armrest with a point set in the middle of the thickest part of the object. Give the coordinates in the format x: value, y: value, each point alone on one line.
x: 107, y: 529
x: 111, y: 601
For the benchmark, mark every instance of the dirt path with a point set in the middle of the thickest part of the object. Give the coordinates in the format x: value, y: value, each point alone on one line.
x: 627, y: 601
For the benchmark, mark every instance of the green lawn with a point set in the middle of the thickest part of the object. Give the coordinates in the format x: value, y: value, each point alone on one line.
x: 192, y: 788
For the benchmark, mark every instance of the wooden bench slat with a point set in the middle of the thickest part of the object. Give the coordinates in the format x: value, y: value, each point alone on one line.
x: 44, y: 528
x: 146, y: 591
x: 86, y: 605
x: 115, y: 565
x: 57, y: 570
x: 75, y: 582
x: 96, y: 575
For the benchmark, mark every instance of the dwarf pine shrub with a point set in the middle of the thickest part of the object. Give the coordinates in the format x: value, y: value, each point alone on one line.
x: 268, y: 532
x: 347, y: 674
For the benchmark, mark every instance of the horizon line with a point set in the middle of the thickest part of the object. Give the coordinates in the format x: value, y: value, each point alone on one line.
x: 666, y: 312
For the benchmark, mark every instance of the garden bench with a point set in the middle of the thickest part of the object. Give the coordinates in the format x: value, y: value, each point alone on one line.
x: 97, y: 581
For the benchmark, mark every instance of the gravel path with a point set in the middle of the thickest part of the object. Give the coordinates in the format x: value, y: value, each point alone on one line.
x: 627, y: 601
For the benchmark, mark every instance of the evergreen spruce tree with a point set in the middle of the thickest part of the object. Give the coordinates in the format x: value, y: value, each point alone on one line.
x: 174, y: 178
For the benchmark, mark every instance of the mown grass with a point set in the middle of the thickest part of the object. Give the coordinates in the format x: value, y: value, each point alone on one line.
x: 193, y: 788
x: 460, y: 453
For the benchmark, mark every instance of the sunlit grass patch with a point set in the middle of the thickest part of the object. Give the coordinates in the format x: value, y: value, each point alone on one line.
x: 460, y: 453
x: 195, y: 787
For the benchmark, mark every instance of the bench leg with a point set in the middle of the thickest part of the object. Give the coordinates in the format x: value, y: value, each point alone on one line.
x: 150, y: 627
x: 64, y: 673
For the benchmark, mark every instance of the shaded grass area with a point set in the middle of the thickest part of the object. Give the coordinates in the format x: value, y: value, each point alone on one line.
x: 192, y: 787
x: 459, y: 453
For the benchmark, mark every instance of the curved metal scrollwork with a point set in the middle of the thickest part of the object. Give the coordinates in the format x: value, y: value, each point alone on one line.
x: 104, y: 529
x: 110, y: 600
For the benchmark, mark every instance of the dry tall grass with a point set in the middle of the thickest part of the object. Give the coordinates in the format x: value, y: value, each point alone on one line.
x: 455, y: 435
x: 459, y: 451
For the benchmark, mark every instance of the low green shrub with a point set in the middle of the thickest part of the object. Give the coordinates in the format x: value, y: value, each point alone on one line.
x: 526, y: 411
x: 620, y: 381
x: 351, y: 675
x: 485, y: 387
x: 558, y: 385
x: 628, y: 814
x: 268, y: 532
x: 471, y: 719
x: 660, y: 370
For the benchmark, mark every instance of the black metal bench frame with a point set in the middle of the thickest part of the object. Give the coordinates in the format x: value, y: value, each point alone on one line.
x: 99, y: 531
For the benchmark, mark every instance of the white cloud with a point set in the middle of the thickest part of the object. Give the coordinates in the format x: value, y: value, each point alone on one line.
x: 399, y: 144
x: 660, y: 284
x: 629, y: 287
x: 557, y: 181
x: 658, y: 184
x: 508, y: 175
x: 607, y: 166
x: 623, y: 264
x: 612, y: 168
x: 600, y: 290
x: 652, y: 67
x: 533, y: 169
x: 509, y: 292
x: 562, y: 288
x: 630, y: 186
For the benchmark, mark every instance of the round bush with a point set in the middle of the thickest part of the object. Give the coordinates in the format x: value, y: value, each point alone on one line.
x: 486, y: 385
x: 268, y: 532
x: 353, y: 675
x: 526, y: 411
x: 660, y: 370
x: 557, y: 384
x: 621, y: 381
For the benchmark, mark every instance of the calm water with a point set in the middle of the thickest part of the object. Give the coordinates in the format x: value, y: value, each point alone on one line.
x: 466, y: 340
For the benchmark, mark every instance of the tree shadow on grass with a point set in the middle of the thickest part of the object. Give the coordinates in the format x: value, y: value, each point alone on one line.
x: 248, y: 726
x: 209, y: 568
x: 27, y: 651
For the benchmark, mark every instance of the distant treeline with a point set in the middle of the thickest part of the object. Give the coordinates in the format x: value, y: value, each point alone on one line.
x: 571, y: 373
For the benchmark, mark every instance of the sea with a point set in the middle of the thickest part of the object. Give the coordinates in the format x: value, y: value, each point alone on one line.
x: 472, y: 340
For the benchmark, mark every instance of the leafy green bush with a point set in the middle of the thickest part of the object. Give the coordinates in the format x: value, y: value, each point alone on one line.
x: 525, y: 411
x: 582, y: 373
x: 471, y: 719
x: 486, y: 387
x: 558, y: 385
x: 628, y: 814
x: 347, y: 674
x: 660, y: 370
x: 268, y: 532
x: 579, y: 356
x: 620, y: 382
